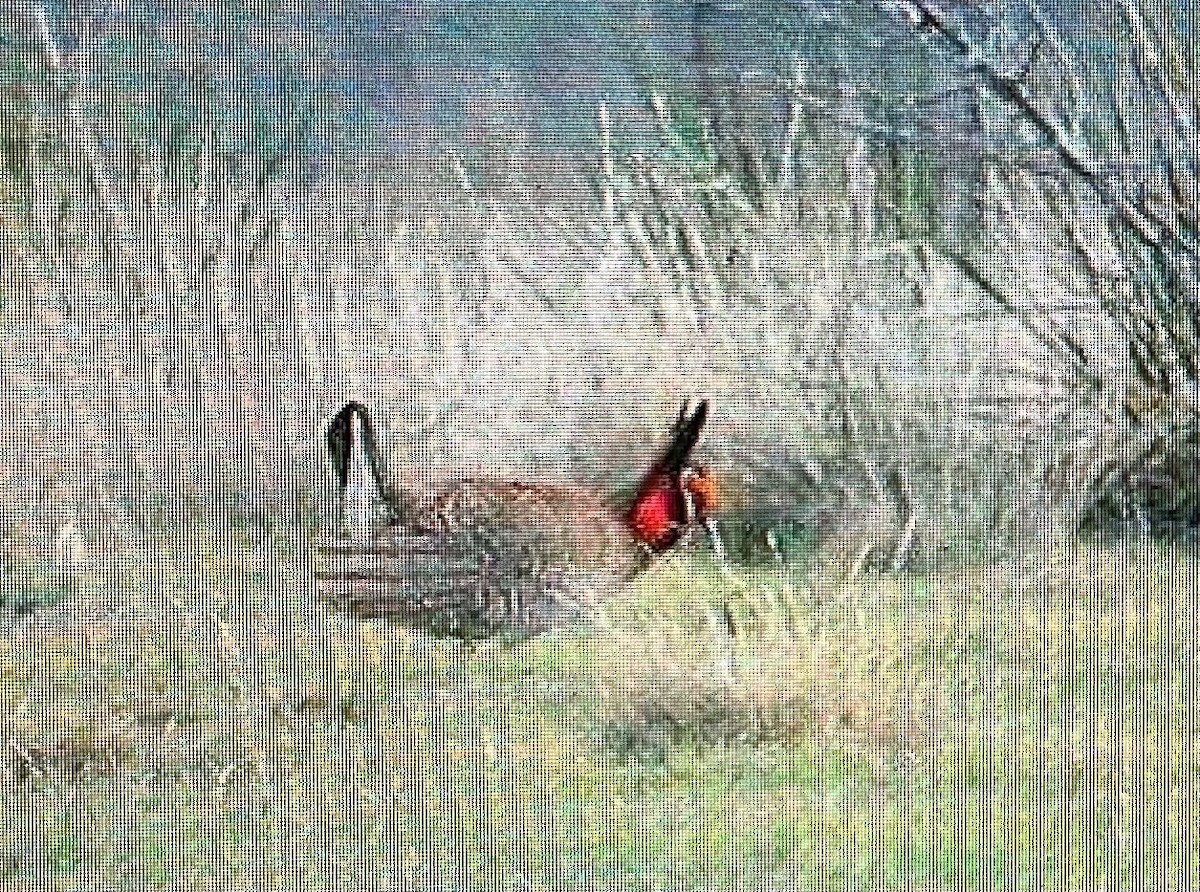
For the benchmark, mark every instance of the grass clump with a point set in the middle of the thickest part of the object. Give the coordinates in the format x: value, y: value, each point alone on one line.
x: 706, y: 653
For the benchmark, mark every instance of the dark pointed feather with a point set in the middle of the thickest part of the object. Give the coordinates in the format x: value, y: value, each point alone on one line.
x: 684, y: 437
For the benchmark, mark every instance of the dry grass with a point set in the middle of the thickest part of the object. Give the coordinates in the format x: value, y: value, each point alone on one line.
x: 760, y: 656
x: 172, y: 339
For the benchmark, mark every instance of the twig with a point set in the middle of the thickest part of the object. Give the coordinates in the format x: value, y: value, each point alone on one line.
x: 1140, y: 220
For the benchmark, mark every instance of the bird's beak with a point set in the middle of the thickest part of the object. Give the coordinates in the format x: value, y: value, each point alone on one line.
x: 714, y: 538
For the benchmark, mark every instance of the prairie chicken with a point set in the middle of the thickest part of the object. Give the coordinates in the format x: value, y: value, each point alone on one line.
x: 476, y: 556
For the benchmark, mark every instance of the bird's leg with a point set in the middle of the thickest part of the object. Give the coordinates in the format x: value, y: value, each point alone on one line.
x: 714, y: 538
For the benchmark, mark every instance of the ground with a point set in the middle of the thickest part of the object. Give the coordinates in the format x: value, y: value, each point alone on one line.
x: 208, y: 725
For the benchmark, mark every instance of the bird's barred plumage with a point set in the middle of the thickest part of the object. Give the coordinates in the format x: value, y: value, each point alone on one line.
x: 472, y: 557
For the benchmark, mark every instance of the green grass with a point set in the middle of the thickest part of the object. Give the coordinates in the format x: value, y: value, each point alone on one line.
x: 209, y: 725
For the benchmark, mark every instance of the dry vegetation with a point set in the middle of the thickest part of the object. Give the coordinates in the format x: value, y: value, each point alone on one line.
x: 177, y: 323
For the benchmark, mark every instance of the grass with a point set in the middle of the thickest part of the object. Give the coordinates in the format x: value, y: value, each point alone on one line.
x: 208, y: 725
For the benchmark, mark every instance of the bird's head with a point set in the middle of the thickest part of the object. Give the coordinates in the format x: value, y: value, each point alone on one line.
x: 676, y: 494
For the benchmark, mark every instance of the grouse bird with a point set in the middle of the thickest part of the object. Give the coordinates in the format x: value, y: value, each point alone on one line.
x: 475, y: 557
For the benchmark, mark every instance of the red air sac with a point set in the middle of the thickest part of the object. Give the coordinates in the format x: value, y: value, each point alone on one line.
x: 657, y: 514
